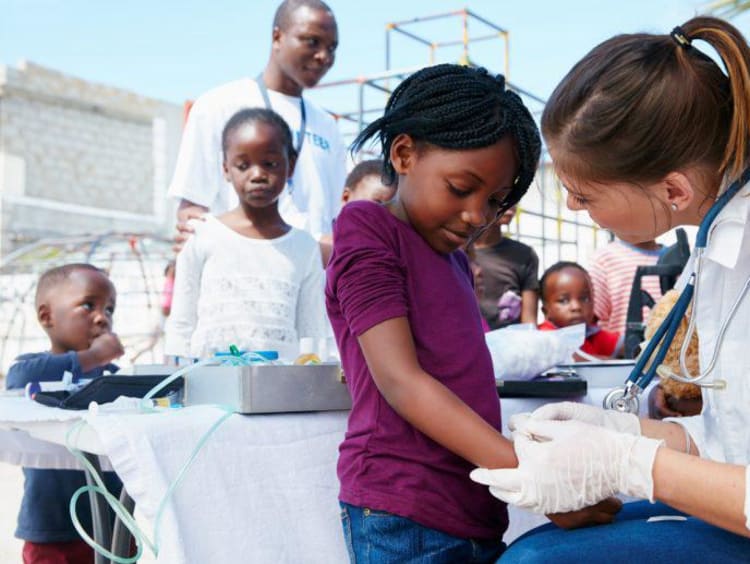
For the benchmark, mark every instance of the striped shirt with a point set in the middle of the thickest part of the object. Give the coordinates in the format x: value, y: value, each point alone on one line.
x: 612, y: 270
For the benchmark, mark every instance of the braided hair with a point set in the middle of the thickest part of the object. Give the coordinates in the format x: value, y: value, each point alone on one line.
x: 457, y: 107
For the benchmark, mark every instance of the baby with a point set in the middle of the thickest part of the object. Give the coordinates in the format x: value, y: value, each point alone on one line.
x: 567, y: 299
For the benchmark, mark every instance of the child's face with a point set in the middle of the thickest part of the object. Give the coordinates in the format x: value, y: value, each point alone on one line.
x: 568, y: 298
x: 257, y: 164
x: 448, y: 195
x: 369, y: 188
x: 78, y: 310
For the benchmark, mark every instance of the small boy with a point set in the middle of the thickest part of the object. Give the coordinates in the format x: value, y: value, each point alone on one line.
x: 567, y: 300
x: 74, y: 305
x: 364, y: 182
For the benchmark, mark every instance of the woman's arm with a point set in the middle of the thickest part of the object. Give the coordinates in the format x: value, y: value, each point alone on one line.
x: 425, y: 403
x: 674, y: 436
x: 712, y: 491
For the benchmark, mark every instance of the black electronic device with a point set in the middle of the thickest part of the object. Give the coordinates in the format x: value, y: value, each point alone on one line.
x: 107, y: 389
x: 543, y: 387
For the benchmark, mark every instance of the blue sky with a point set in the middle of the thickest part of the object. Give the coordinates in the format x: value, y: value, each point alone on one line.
x: 175, y: 50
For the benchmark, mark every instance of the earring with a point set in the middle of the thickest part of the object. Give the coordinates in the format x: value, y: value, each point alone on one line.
x: 674, y: 207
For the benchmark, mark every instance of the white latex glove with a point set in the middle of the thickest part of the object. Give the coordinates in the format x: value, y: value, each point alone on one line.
x: 567, y: 465
x: 568, y: 410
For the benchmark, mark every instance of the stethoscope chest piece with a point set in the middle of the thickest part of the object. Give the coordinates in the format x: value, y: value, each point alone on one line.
x: 619, y: 399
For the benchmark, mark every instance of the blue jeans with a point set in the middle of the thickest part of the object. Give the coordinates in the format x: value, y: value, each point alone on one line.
x: 380, y: 537
x: 632, y: 539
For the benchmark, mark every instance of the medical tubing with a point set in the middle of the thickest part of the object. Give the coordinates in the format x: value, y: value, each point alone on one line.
x: 664, y: 334
x: 127, y: 519
x: 686, y: 377
x: 146, y: 404
x: 701, y: 241
x: 184, y: 469
x: 664, y: 331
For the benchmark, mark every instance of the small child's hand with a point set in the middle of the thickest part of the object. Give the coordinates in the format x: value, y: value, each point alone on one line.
x: 105, y: 348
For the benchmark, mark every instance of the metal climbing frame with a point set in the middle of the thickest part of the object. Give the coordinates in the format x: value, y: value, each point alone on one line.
x: 466, y: 15
x: 542, y: 221
x: 134, y: 261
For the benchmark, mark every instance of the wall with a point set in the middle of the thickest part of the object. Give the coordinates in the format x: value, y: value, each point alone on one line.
x: 78, y: 157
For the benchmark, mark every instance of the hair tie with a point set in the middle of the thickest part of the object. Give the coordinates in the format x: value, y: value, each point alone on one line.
x: 681, y: 38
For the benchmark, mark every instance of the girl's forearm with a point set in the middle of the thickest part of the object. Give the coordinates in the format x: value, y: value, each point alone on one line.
x: 425, y: 402
x: 438, y: 413
x: 712, y: 491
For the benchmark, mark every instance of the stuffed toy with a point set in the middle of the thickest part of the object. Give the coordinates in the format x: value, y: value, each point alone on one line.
x: 673, y: 388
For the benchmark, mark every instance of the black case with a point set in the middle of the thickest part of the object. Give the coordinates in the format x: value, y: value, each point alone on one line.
x: 542, y: 388
x: 107, y: 389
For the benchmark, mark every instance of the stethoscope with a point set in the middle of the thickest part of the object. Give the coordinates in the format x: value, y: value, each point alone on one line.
x: 625, y: 398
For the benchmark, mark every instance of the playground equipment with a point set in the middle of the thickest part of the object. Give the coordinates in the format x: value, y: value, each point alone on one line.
x: 135, y: 263
x: 542, y: 220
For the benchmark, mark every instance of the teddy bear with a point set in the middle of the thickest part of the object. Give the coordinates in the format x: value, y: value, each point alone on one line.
x: 675, y: 391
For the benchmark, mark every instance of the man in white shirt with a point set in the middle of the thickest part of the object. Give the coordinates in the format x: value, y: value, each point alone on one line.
x: 304, y: 41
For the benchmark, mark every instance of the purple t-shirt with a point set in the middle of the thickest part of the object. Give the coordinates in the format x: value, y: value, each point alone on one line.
x: 382, y: 269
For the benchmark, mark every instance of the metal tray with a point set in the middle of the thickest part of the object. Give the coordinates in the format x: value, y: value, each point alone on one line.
x: 268, y: 388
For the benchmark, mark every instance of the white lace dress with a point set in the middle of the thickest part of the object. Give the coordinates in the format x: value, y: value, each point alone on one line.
x: 257, y: 294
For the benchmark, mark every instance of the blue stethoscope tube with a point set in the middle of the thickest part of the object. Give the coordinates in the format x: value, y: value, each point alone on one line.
x: 626, y: 398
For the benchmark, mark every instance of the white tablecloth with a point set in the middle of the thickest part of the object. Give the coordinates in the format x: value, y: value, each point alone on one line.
x: 262, y: 489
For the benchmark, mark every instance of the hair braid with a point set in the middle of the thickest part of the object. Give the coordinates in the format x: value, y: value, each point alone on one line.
x: 457, y: 107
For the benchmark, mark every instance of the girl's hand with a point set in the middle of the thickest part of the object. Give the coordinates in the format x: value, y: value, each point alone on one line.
x: 602, y: 513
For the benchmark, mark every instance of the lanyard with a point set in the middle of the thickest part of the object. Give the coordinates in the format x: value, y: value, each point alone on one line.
x: 302, y: 113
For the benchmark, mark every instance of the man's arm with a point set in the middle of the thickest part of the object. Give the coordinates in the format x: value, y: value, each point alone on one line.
x: 186, y: 211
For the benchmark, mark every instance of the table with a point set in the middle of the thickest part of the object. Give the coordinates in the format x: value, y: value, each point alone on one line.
x: 262, y: 489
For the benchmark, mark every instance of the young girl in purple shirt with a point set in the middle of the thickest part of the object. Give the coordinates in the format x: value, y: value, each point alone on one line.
x: 461, y: 149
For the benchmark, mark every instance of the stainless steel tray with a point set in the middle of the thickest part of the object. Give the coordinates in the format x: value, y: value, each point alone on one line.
x: 266, y: 388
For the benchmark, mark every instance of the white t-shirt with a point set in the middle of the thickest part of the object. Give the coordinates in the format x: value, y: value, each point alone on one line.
x: 319, y: 176
x: 257, y: 294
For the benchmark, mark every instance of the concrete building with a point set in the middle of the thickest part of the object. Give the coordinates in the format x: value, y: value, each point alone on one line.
x: 78, y: 157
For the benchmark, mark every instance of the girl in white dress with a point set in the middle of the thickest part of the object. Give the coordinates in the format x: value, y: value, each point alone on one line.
x: 246, y: 277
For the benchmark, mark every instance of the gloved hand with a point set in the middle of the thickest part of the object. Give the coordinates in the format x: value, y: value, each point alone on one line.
x: 568, y: 410
x: 567, y: 465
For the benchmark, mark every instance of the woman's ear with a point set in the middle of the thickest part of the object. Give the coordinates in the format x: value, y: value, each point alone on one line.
x: 403, y: 153
x: 678, y: 190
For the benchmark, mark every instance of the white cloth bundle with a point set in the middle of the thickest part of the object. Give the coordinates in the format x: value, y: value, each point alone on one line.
x: 521, y: 352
